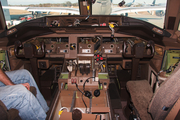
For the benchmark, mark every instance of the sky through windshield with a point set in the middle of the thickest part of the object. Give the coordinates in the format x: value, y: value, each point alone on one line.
x: 26, y: 2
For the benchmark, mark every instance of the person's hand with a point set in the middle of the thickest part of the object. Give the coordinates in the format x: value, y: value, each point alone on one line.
x: 26, y: 85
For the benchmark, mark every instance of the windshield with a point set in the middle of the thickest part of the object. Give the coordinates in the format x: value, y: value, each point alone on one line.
x: 17, y: 11
x: 152, y: 11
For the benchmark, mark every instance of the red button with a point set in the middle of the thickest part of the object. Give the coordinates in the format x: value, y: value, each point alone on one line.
x: 75, y: 81
x: 97, y: 55
x: 97, y: 59
x: 101, y: 58
x: 72, y: 81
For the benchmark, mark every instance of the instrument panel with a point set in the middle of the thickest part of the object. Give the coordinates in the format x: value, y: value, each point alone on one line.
x: 96, y: 47
x: 85, y: 46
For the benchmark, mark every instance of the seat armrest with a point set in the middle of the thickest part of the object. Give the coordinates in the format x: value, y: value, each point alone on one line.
x: 3, y: 111
x: 33, y: 90
x: 11, y: 114
x: 14, y: 114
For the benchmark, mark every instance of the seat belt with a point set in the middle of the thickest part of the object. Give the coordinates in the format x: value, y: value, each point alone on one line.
x: 174, y: 113
x: 169, y: 70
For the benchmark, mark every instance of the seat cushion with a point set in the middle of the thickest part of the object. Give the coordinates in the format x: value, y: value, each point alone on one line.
x: 33, y: 90
x: 141, y: 95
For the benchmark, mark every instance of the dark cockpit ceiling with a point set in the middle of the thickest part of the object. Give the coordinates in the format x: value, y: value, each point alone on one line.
x: 58, y: 25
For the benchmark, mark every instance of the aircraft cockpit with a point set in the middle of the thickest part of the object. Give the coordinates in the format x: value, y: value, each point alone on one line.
x: 83, y: 63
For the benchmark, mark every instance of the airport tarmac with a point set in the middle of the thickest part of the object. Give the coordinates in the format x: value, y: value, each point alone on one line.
x: 153, y: 19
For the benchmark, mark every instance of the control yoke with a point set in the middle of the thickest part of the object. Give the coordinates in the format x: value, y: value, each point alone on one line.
x: 29, y: 50
x: 138, y: 53
x: 138, y: 50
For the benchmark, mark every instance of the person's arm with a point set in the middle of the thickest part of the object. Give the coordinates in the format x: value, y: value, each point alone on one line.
x: 4, y: 78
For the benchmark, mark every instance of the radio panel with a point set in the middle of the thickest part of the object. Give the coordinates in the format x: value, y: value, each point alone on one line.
x: 86, y: 45
x: 86, y: 48
x: 62, y: 48
x: 108, y: 48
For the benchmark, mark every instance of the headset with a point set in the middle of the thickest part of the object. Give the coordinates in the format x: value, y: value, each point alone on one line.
x: 88, y: 93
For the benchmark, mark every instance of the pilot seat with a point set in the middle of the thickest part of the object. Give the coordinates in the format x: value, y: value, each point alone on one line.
x: 154, y: 106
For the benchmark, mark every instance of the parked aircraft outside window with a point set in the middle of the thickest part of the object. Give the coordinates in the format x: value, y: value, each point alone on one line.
x: 150, y: 11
